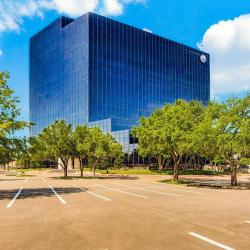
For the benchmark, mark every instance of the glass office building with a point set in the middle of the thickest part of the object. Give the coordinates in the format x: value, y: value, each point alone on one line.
x: 105, y: 73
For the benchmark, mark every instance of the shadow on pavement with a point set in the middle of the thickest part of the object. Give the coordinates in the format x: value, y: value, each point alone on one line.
x: 38, y: 192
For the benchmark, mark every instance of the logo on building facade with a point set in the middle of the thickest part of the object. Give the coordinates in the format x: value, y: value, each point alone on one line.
x: 203, y: 58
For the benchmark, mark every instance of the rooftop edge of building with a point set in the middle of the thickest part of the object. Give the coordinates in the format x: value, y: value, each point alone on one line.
x: 92, y: 13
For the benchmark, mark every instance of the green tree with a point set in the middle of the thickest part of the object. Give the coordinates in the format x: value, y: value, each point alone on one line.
x: 102, y: 146
x: 58, y: 144
x: 169, y: 132
x: 9, y: 120
x: 225, y: 131
x: 82, y: 142
x: 181, y: 121
x: 31, y: 153
x: 151, y: 138
x: 9, y: 112
x: 245, y: 161
x: 23, y: 156
x: 7, y: 151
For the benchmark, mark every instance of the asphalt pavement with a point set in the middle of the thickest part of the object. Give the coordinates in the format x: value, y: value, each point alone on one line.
x: 45, y: 212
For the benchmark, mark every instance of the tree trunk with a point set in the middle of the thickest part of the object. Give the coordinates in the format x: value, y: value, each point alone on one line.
x: 94, y: 167
x: 160, y: 162
x: 233, y: 174
x: 177, y: 160
x: 176, y: 172
x: 195, y: 165
x: 65, y: 166
x: 186, y: 161
x: 81, y: 166
x: 65, y: 171
x: 167, y: 164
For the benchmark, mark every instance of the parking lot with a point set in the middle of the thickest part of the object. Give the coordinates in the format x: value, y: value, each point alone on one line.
x: 46, y: 212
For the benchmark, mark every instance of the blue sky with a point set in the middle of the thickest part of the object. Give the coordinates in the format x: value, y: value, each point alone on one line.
x: 221, y: 28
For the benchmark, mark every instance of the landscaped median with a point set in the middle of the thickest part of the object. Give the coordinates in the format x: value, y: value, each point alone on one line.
x: 177, y: 182
x: 157, y: 172
x: 22, y: 172
x: 218, y: 185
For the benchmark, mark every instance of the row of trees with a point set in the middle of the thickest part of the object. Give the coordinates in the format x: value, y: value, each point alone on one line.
x: 218, y: 130
x: 59, y: 142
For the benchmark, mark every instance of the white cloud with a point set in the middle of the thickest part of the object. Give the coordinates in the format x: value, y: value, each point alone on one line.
x: 75, y: 8
x: 12, y: 13
x: 1, y: 52
x: 150, y: 31
x: 112, y: 7
x: 135, y: 1
x: 228, y: 43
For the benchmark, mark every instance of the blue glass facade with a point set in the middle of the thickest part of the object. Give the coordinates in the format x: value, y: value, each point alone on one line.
x: 102, y: 72
x: 59, y: 56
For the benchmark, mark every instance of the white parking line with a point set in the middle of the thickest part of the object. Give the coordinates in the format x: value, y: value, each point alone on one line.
x: 170, y: 188
x: 92, y: 193
x: 222, y: 191
x: 44, y: 180
x: 58, y: 196
x: 26, y: 180
x: 148, y: 190
x: 211, y: 241
x: 13, y: 200
x: 6, y: 180
x: 60, y: 179
x: 247, y: 221
x: 122, y: 191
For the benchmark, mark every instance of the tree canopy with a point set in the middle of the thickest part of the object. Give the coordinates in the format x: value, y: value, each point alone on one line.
x: 169, y: 131
x: 220, y: 131
x: 9, y: 111
x: 57, y: 143
x: 60, y: 142
x: 225, y: 131
x: 9, y: 121
x: 102, y: 146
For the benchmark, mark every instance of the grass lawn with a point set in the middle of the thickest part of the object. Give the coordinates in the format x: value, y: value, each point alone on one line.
x: 30, y: 169
x: 157, y: 172
x: 176, y: 182
x: 21, y: 175
x: 78, y: 177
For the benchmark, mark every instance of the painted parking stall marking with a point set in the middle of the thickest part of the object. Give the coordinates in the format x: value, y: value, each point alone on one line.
x: 179, y: 190
x: 148, y: 190
x: 142, y: 196
x: 15, y: 197
x: 211, y: 241
x: 44, y: 180
x: 26, y: 180
x: 92, y: 193
x: 57, y: 195
x: 247, y: 221
x: 6, y: 180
